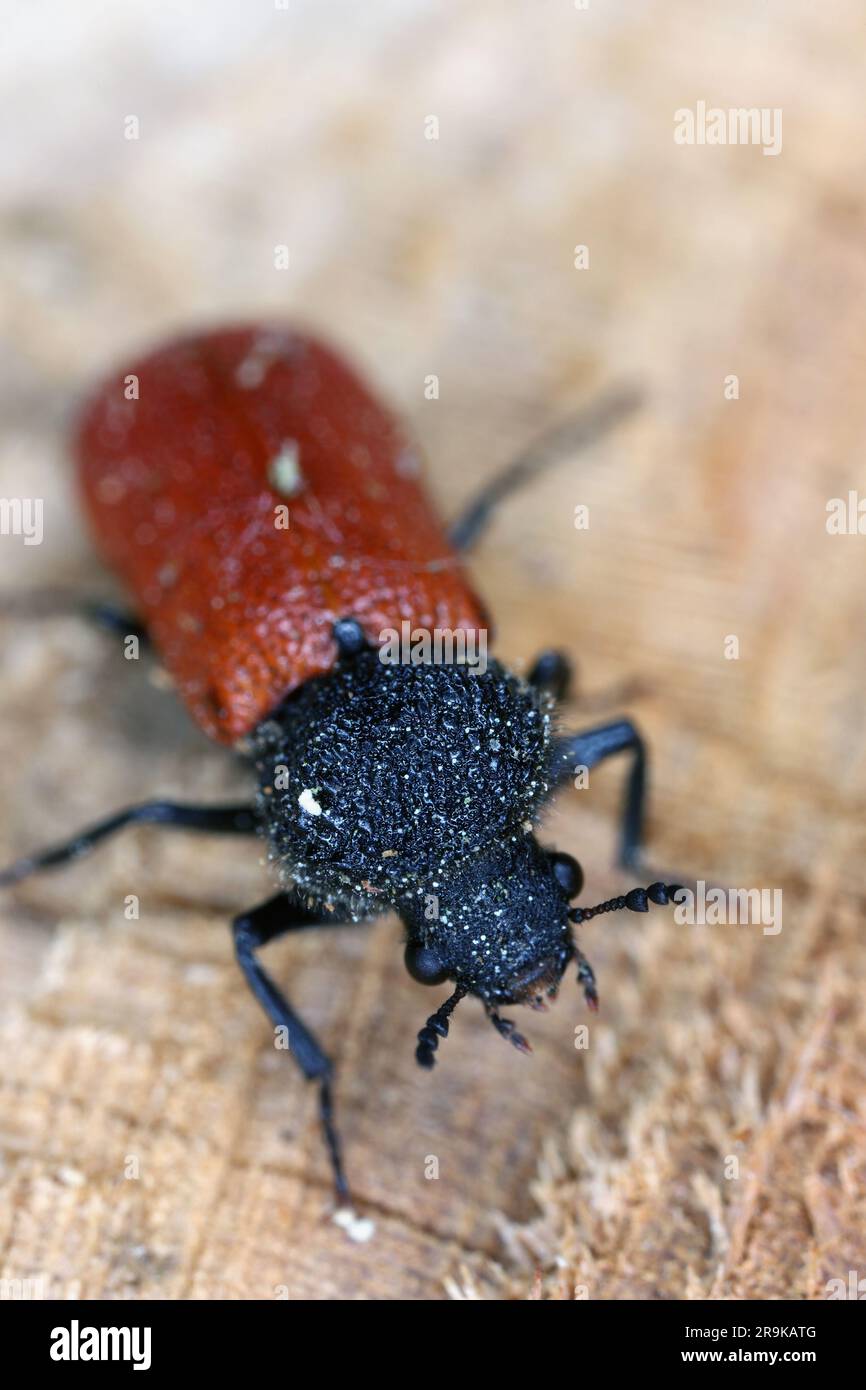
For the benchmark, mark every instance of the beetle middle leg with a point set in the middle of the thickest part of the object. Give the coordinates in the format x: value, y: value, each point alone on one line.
x: 552, y: 672
x: 252, y: 930
x: 214, y: 820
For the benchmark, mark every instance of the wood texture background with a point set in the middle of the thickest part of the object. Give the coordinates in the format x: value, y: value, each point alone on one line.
x: 604, y: 1172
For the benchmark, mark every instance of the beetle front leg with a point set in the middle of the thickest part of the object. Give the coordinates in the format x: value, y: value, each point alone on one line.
x: 252, y: 930
x: 592, y: 747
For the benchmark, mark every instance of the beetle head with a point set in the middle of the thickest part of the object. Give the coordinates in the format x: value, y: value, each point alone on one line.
x: 498, y: 927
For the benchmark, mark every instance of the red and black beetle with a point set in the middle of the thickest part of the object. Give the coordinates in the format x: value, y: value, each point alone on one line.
x: 266, y: 515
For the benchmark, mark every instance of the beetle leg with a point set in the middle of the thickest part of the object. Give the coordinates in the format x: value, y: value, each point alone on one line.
x: 349, y: 637
x: 216, y: 820
x: 116, y: 620
x: 52, y: 603
x: 551, y: 672
x: 592, y: 747
x: 252, y: 930
x: 577, y: 433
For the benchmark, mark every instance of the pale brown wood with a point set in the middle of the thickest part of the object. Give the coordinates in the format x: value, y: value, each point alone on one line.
x: 711, y: 1138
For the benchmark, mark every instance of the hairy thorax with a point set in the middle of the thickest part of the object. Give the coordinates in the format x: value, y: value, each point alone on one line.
x: 378, y: 781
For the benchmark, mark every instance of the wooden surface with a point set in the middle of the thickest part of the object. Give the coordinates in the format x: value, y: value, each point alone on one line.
x: 132, y: 1046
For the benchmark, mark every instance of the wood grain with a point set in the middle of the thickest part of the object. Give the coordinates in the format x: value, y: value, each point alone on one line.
x: 132, y: 1046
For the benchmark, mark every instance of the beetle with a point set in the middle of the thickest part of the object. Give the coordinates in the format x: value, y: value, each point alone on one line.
x: 266, y: 515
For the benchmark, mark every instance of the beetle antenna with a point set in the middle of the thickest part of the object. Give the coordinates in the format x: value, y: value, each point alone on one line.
x: 435, y: 1028
x: 637, y: 900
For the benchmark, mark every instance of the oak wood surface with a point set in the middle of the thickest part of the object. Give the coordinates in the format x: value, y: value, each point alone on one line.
x: 711, y: 1137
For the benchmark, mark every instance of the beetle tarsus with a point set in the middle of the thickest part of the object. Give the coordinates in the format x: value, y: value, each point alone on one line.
x: 332, y: 1141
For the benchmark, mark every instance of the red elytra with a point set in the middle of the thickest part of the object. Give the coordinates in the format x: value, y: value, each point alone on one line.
x: 251, y: 493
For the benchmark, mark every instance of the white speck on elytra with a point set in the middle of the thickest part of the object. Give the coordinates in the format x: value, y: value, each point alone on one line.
x: 284, y: 471
x: 308, y: 802
x: 358, y: 1228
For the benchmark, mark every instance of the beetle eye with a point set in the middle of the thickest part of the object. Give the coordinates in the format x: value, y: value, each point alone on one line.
x: 568, y: 874
x: 424, y: 965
